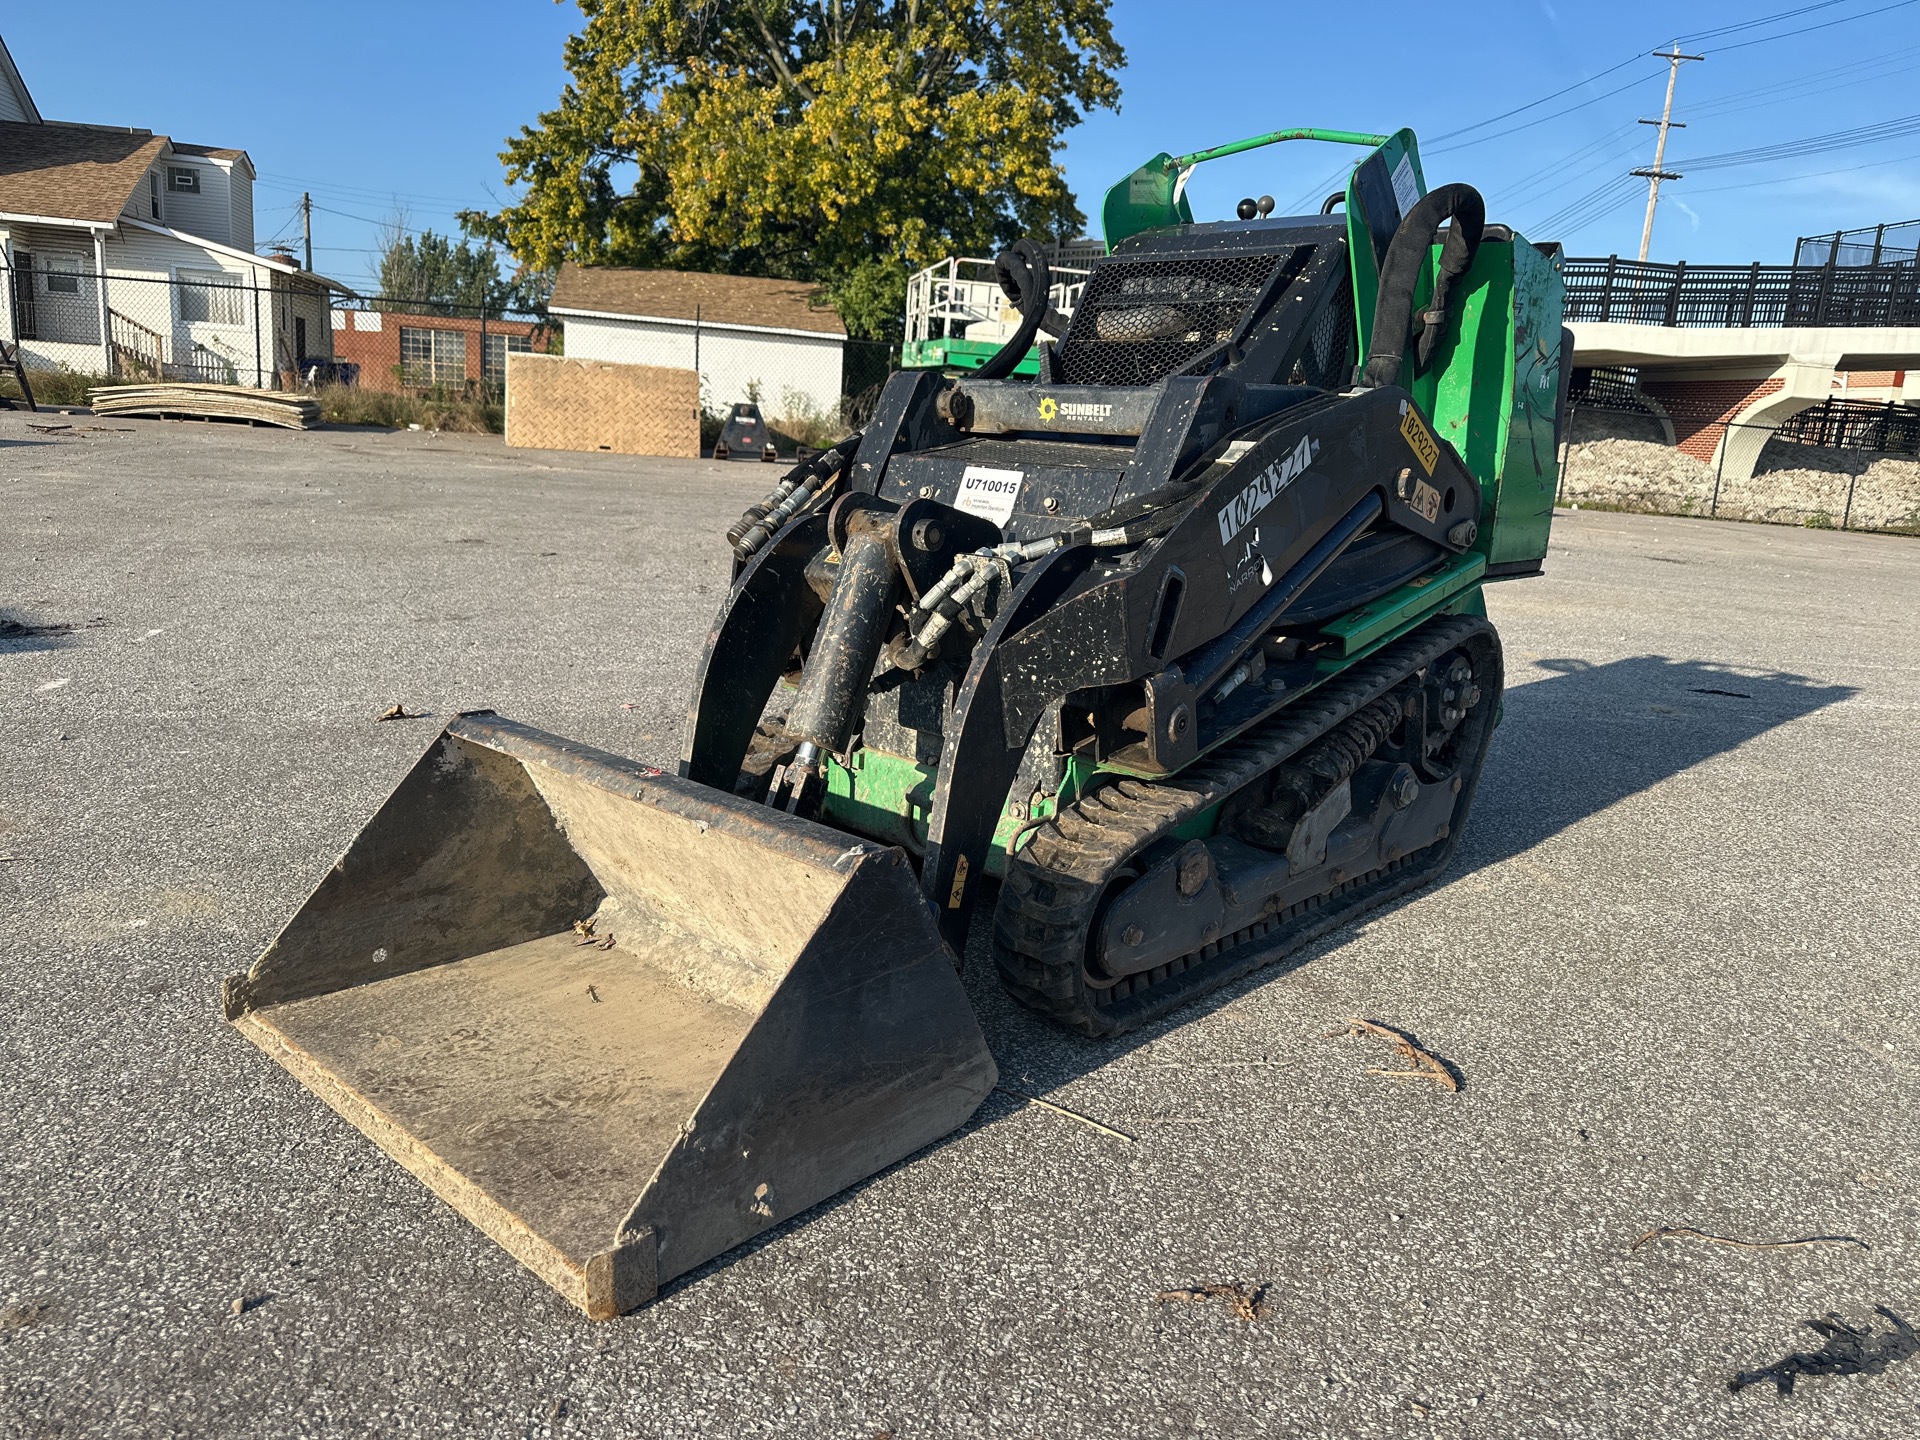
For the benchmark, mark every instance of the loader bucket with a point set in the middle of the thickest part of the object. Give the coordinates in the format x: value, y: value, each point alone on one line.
x: 776, y: 1017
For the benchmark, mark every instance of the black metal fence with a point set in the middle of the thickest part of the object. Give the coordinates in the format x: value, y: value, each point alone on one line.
x: 1742, y: 296
x: 1887, y: 429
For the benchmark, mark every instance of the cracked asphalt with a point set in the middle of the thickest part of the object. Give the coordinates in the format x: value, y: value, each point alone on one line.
x: 1674, y: 962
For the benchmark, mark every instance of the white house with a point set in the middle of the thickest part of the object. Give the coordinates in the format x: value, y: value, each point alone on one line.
x: 131, y: 253
x: 771, y: 340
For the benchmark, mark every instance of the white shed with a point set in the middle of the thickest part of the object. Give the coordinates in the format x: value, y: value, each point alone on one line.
x: 774, y: 341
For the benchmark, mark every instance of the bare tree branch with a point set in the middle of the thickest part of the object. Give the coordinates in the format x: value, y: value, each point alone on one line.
x: 776, y: 54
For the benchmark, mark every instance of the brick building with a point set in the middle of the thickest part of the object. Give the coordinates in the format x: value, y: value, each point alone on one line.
x: 399, y: 351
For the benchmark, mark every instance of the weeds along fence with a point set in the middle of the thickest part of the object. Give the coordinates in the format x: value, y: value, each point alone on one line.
x: 1841, y: 466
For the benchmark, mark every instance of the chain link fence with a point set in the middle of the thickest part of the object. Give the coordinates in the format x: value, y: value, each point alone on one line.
x: 251, y: 328
x: 209, y: 325
x: 427, y: 348
x: 1620, y: 456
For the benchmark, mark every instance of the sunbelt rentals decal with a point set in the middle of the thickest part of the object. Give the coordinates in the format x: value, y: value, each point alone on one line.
x: 1260, y: 492
x: 1052, y: 409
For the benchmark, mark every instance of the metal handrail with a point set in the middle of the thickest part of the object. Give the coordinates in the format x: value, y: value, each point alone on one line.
x: 1739, y: 297
x: 962, y: 290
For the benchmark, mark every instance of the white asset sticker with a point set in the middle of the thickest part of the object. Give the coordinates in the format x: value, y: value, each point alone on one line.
x: 1405, y: 189
x: 989, y: 493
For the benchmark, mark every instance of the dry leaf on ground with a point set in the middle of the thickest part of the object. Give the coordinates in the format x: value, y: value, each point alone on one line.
x: 400, y: 712
x: 1247, y: 1301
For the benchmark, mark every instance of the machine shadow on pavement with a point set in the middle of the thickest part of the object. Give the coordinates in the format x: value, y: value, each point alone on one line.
x: 19, y: 635
x: 1642, y: 720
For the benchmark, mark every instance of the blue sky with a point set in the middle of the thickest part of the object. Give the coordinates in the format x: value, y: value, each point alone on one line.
x: 402, y: 107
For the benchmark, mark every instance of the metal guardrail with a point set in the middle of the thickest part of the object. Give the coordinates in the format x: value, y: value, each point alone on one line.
x: 1742, y: 296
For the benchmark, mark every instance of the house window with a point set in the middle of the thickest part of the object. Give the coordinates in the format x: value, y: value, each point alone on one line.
x: 183, y: 179
x: 153, y: 194
x: 432, y: 357
x: 501, y: 346
x: 62, y: 275
x: 211, y: 297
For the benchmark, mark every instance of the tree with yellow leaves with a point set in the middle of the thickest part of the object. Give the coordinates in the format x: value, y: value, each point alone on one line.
x: 847, y: 141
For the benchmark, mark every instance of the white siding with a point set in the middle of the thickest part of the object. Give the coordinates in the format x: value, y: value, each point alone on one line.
x: 791, y: 373
x: 208, y: 214
x: 15, y: 103
x: 12, y: 102
x: 313, y: 306
x: 141, y: 267
x: 62, y: 328
x: 240, y: 203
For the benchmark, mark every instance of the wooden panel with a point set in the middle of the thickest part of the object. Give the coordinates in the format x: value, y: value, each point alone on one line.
x: 557, y: 403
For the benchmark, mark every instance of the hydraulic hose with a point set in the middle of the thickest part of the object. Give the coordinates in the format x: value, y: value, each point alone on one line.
x: 1027, y: 281
x: 799, y: 485
x: 1393, y: 311
x: 943, y: 601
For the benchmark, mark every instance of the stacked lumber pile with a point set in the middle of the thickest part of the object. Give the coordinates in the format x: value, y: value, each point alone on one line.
x: 207, y: 402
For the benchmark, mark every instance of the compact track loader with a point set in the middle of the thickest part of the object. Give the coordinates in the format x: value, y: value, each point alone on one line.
x: 1182, y: 641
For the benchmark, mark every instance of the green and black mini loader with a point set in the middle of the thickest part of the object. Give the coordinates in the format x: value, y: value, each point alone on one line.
x: 1181, y: 642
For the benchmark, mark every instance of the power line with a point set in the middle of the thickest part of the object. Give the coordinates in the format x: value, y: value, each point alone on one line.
x: 1541, y: 120
x: 1811, y: 144
x: 1522, y: 109
x: 1604, y: 198
x: 1808, y: 30
x: 1609, y: 194
x: 365, y: 192
x: 1694, y: 38
x: 1806, y: 84
x: 1697, y: 36
x: 1809, y: 175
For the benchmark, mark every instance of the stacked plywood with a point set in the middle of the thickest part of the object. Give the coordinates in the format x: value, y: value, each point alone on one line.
x: 207, y: 402
x: 554, y: 403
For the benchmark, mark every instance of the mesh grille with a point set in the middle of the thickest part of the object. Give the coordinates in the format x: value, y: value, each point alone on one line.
x: 1142, y: 320
x: 1327, y: 359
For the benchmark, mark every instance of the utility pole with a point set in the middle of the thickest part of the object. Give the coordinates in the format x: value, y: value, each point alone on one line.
x: 306, y: 209
x: 1666, y: 122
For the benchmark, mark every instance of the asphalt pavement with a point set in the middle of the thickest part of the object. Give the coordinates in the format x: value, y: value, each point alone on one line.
x: 1673, y: 962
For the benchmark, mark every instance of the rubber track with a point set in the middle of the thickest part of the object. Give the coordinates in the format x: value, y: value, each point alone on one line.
x: 1056, y: 882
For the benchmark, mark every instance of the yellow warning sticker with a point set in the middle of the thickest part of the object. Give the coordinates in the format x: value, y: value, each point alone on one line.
x: 1420, y: 440
x: 959, y: 884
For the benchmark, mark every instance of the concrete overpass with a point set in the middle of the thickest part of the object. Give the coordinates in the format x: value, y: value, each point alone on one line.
x: 1725, y: 353
x: 1729, y: 389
